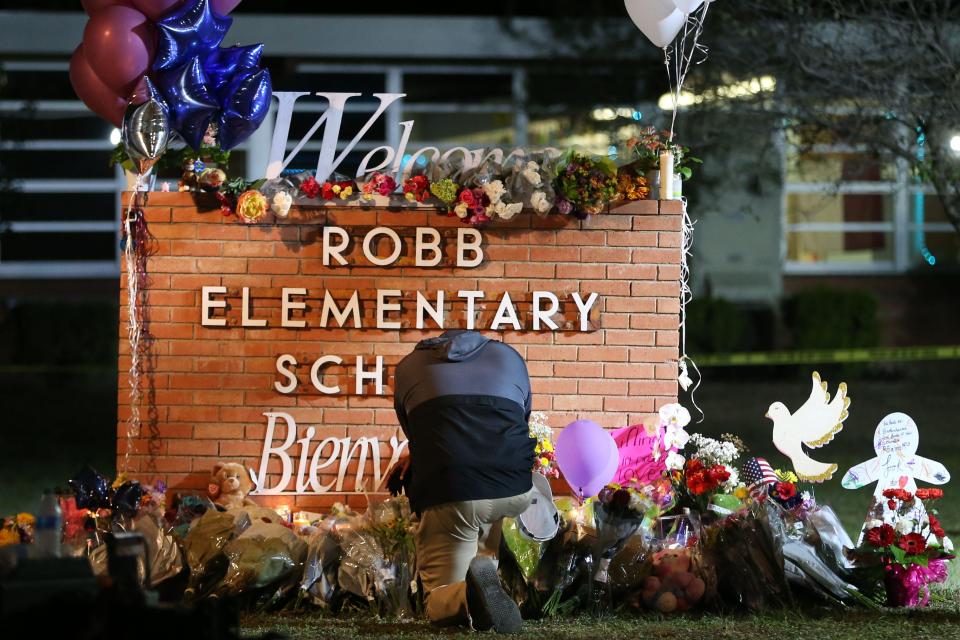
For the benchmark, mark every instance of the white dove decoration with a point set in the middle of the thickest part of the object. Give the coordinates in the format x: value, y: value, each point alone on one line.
x: 814, y: 424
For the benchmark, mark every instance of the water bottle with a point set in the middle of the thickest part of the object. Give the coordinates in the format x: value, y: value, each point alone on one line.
x: 49, y: 523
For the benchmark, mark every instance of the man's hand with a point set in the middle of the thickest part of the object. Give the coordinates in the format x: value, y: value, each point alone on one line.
x: 398, y: 478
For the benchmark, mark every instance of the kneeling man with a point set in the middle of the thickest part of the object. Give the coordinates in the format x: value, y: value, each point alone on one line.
x: 464, y: 401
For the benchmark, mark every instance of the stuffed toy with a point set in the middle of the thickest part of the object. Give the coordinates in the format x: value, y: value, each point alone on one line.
x: 229, y: 484
x: 672, y: 587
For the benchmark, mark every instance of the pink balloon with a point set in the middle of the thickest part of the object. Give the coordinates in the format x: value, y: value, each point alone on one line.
x: 223, y: 7
x: 155, y: 9
x: 119, y: 43
x: 93, y: 6
x: 98, y: 97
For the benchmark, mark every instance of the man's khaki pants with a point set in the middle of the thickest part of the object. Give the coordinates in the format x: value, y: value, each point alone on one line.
x: 449, y: 537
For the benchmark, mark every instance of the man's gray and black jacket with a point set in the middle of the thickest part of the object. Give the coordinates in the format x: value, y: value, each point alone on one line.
x: 463, y: 401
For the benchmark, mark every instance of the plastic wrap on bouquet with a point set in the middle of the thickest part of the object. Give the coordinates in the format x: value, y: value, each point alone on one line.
x: 814, y: 561
x: 529, y: 179
x: 741, y: 565
x: 203, y: 548
x: 255, y: 562
x: 909, y: 586
x: 569, y: 559
x: 324, y: 553
x: 165, y: 559
x: 379, y: 560
x: 631, y: 565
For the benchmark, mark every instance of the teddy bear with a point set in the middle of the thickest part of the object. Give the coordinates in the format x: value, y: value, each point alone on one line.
x: 229, y: 485
x: 672, y: 587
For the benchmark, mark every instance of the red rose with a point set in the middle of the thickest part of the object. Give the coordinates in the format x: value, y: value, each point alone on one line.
x: 694, y: 465
x: 892, y: 505
x: 881, y: 536
x: 785, y: 490
x: 913, y: 543
x: 935, y: 527
x: 310, y: 187
x: 719, y: 474
x: 898, y: 494
x: 929, y: 494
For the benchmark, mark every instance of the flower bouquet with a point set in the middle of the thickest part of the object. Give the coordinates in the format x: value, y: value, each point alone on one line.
x: 545, y: 461
x: 378, y: 189
x: 585, y: 182
x: 416, y: 188
x: 708, y: 481
x: 913, y: 552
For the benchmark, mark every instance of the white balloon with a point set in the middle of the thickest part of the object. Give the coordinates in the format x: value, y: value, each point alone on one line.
x: 659, y: 20
x: 687, y: 6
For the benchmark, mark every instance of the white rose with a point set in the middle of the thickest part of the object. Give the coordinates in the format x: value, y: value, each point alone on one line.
x: 874, y: 524
x: 904, y: 526
x: 280, y: 205
x: 508, y: 211
x: 674, y: 461
x: 461, y: 210
x: 494, y: 191
x: 531, y: 173
x: 540, y: 203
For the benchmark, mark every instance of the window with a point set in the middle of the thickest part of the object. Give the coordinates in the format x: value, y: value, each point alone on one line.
x: 846, y: 211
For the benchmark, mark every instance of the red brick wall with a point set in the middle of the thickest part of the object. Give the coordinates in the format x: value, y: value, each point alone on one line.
x: 211, y: 385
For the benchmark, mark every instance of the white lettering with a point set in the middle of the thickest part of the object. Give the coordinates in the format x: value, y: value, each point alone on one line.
x: 288, y: 305
x: 330, y: 307
x: 206, y: 304
x: 383, y: 307
x: 368, y: 250
x: 463, y: 246
x: 331, y: 250
x: 376, y: 375
x: 471, y: 296
x: 506, y: 313
x: 423, y: 306
x: 584, y: 308
x: 282, y: 363
x: 315, y: 374
x: 543, y: 315
x: 433, y: 246
x: 245, y: 319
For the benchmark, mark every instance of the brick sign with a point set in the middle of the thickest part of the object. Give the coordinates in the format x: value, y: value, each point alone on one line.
x: 274, y: 344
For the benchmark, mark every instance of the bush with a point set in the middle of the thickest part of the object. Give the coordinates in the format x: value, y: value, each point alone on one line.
x: 715, y: 325
x: 824, y: 318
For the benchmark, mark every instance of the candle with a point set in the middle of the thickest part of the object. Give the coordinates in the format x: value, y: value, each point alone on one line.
x: 666, y: 175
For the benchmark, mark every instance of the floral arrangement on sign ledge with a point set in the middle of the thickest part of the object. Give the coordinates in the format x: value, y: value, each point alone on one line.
x: 570, y: 183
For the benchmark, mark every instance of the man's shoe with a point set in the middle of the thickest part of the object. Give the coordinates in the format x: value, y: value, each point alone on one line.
x: 489, y: 606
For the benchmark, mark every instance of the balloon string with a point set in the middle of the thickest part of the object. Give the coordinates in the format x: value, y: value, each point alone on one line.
x: 134, y: 327
x: 683, y: 57
x: 686, y: 296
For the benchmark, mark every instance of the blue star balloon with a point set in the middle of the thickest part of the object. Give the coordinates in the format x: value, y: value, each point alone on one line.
x: 247, y: 104
x: 191, y: 30
x: 222, y: 64
x: 191, y: 105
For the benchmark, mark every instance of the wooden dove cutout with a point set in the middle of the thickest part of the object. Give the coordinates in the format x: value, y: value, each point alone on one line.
x: 897, y: 464
x: 814, y: 424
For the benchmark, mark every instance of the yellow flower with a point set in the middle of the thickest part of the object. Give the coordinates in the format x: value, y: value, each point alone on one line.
x: 251, y: 206
x: 544, y: 462
x: 741, y: 493
x: 345, y: 193
x: 409, y: 196
x: 8, y: 536
x: 786, y: 476
x: 25, y: 520
x: 336, y: 188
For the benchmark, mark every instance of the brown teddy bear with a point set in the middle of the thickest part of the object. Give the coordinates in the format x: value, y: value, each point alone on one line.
x: 229, y: 485
x: 672, y: 587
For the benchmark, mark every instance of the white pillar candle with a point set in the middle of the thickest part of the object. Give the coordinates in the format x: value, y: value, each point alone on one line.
x: 666, y: 175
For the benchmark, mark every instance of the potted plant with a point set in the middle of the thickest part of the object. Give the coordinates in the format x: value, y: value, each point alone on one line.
x: 647, y: 149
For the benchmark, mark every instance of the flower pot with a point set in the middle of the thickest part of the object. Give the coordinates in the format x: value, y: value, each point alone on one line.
x: 677, y: 186
x: 653, y: 181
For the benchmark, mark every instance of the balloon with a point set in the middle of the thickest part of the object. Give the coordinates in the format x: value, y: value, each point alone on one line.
x: 223, y: 7
x: 221, y: 65
x: 687, y: 7
x: 93, y: 6
x: 155, y: 9
x: 190, y: 104
x: 98, y: 97
x: 126, y: 498
x: 119, y: 43
x: 659, y: 20
x: 587, y: 457
x: 191, y: 30
x: 247, y: 104
x: 91, y: 488
x: 146, y: 128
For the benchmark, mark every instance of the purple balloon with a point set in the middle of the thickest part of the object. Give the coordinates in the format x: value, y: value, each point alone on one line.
x: 119, y: 43
x: 587, y: 456
x: 155, y: 9
x: 222, y: 65
x: 223, y: 7
x: 98, y: 97
x: 192, y: 106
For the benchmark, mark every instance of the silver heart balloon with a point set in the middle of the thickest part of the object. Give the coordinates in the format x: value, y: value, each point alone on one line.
x: 146, y: 128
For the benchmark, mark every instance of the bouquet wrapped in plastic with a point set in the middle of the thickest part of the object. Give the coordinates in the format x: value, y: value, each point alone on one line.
x: 204, y: 548
x: 320, y: 584
x: 379, y: 559
x: 263, y: 555
x: 741, y: 565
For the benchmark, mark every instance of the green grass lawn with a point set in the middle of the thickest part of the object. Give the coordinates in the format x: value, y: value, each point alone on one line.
x: 939, y: 622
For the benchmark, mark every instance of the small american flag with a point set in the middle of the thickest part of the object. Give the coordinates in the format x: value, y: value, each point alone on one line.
x: 758, y: 475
